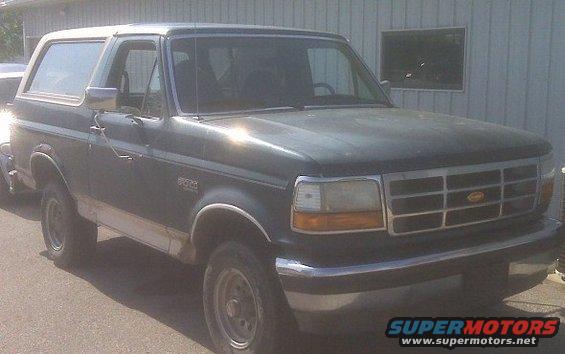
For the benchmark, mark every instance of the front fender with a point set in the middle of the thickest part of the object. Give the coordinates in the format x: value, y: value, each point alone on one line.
x: 246, y: 205
x: 194, y: 249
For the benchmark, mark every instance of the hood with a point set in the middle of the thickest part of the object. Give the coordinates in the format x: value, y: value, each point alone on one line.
x: 382, y: 140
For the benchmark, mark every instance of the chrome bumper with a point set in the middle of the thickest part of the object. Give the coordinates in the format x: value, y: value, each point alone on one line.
x: 405, y: 295
x: 342, y: 302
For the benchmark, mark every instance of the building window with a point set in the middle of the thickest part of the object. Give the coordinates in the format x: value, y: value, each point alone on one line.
x: 424, y: 59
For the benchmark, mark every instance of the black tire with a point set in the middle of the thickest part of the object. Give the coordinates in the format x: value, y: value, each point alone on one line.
x: 69, y: 238
x: 271, y: 313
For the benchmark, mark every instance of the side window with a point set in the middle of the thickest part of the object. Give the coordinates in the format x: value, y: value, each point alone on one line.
x: 153, y: 100
x: 139, y: 65
x: 66, y: 69
x: 136, y: 74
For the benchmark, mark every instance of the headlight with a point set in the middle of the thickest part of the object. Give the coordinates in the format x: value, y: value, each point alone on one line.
x: 322, y: 206
x: 547, y: 173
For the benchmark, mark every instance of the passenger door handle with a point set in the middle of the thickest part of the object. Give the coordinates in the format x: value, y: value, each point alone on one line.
x: 97, y: 130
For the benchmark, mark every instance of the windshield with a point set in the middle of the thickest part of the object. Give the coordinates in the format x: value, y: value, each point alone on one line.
x: 247, y: 73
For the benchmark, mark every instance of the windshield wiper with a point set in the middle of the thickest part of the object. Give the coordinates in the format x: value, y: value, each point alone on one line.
x: 299, y: 106
x: 350, y: 105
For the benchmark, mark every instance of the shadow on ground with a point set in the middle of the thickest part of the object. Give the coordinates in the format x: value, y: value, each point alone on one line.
x: 379, y: 343
x: 25, y: 206
x: 146, y: 280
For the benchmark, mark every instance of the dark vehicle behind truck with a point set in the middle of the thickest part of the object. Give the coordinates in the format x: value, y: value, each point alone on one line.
x: 10, y: 78
x: 276, y: 159
x: 9, y: 83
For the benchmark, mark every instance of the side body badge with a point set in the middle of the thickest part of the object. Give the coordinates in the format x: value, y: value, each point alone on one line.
x: 187, y: 185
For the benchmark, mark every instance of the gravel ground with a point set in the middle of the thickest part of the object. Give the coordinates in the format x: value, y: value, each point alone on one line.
x: 134, y: 299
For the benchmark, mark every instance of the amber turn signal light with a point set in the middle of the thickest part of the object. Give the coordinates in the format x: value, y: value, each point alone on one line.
x: 319, y: 222
x: 546, y: 192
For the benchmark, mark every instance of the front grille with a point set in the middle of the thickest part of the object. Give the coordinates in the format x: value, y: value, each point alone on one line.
x: 457, y: 196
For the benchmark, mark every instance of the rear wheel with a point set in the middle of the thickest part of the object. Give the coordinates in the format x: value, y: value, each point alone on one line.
x: 70, y: 239
x: 242, y: 303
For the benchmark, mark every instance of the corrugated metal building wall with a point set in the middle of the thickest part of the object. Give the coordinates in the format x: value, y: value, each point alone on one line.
x: 514, y: 68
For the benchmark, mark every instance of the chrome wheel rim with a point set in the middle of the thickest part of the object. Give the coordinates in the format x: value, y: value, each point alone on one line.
x: 54, y: 216
x: 236, y: 308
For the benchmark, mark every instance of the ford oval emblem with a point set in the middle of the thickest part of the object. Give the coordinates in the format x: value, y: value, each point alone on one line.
x: 476, y: 197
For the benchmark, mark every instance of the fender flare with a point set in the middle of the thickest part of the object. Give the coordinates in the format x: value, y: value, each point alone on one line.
x: 227, y: 199
x: 229, y: 207
x: 47, y: 153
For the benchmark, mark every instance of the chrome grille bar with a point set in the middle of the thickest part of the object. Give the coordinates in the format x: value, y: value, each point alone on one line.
x: 511, y: 195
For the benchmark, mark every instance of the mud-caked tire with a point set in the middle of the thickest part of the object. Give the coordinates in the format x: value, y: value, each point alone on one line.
x: 242, y: 302
x: 69, y: 238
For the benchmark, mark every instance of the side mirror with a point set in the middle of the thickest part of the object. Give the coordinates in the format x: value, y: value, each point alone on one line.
x: 101, y: 98
x: 386, y: 86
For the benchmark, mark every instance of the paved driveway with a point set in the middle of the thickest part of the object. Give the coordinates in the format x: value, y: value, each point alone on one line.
x: 138, y: 300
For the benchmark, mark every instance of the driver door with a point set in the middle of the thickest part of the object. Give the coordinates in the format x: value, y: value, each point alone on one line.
x: 126, y: 181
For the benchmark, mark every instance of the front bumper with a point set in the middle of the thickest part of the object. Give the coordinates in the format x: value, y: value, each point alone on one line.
x: 318, y: 293
x: 8, y: 171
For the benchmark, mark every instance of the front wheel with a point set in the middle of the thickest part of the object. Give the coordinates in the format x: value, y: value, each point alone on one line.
x: 241, y: 302
x: 70, y: 239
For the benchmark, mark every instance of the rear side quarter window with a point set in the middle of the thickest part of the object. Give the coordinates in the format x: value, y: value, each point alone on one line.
x: 64, y: 70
